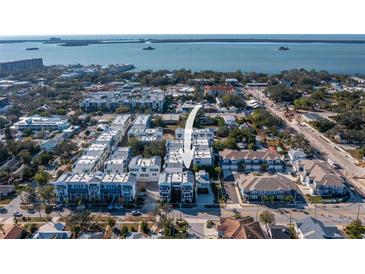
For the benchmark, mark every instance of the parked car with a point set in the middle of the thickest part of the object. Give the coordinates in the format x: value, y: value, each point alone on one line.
x: 17, y: 214
x: 136, y: 213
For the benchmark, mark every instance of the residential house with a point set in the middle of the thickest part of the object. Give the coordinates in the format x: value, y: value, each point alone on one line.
x: 96, y: 187
x: 5, y: 190
x: 295, y: 155
x: 241, y: 228
x: 118, y: 162
x: 177, y: 187
x: 10, y: 231
x: 321, y: 179
x: 310, y: 228
x: 202, y: 181
x: 146, y: 170
x: 266, y: 187
x: 250, y: 160
x: 219, y: 90
x: 279, y: 232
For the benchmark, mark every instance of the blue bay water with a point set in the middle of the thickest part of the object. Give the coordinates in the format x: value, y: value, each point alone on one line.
x: 259, y: 57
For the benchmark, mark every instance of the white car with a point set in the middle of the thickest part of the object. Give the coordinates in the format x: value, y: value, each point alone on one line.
x: 17, y: 214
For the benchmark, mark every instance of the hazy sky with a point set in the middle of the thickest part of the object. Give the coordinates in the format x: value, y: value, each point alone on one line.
x: 31, y: 17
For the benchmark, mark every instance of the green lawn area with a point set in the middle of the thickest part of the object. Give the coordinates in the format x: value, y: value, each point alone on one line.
x: 354, y: 153
x: 314, y: 199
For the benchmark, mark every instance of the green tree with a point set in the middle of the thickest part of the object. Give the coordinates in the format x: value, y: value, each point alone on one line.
x: 144, y: 227
x: 267, y: 218
x: 124, y: 231
x: 111, y: 222
x: 41, y: 178
x: 48, y: 210
x: 355, y: 230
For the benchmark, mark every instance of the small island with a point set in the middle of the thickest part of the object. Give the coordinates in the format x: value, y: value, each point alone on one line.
x: 149, y: 48
x: 32, y: 49
x: 283, y: 48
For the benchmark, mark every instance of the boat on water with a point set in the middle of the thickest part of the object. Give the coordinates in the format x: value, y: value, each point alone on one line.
x: 283, y: 48
x: 32, y: 49
x: 149, y: 48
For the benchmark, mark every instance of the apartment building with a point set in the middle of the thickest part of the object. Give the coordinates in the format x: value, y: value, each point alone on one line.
x: 267, y: 187
x: 21, y: 65
x: 321, y: 179
x: 146, y: 134
x: 92, y: 159
x: 177, y: 187
x: 121, y: 123
x: 205, y: 133
x: 202, y: 180
x: 118, y: 162
x: 250, y: 160
x: 37, y: 123
x: 219, y: 90
x: 118, y: 187
x: 111, y: 100
x: 173, y: 159
x: 145, y: 169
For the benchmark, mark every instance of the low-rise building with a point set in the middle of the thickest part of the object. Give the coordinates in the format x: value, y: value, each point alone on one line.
x: 241, y: 228
x: 310, y: 228
x: 92, y: 159
x: 10, y: 231
x: 202, y: 180
x: 204, y: 133
x: 146, y: 170
x: 310, y: 117
x: 267, y: 188
x: 37, y: 123
x: 177, y: 187
x: 321, y: 179
x: 250, y: 160
x: 296, y: 155
x: 219, y: 90
x: 146, y: 134
x: 98, y: 186
x: 135, y: 99
x: 118, y: 162
x: 5, y: 190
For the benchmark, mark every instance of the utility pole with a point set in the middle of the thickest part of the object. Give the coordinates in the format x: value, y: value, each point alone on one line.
x: 358, y: 212
x: 315, y: 211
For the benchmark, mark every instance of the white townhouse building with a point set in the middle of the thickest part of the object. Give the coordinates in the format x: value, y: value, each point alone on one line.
x: 146, y: 169
x: 173, y: 162
x: 118, y: 162
x: 146, y: 134
x: 111, y: 100
x: 173, y: 159
x: 251, y: 161
x: 72, y: 187
x: 321, y: 179
x: 177, y: 187
x: 142, y: 120
x: 121, y: 123
x: 37, y: 123
x: 205, y: 133
x: 108, y: 137
x: 202, y: 140
x: 203, y: 152
x: 92, y: 159
x: 202, y: 180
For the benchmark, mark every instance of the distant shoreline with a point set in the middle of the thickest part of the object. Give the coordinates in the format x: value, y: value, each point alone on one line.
x: 86, y: 42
